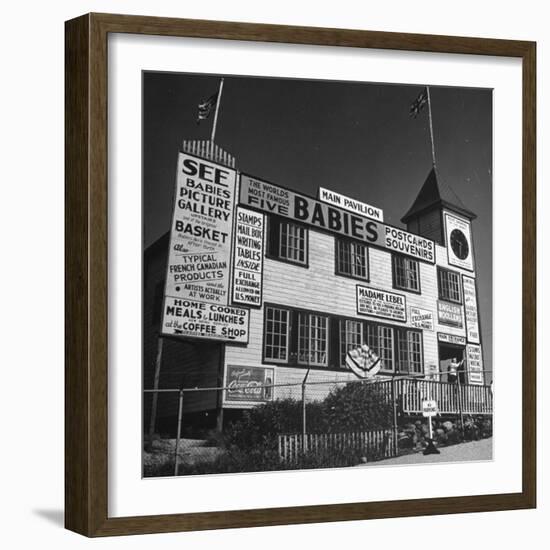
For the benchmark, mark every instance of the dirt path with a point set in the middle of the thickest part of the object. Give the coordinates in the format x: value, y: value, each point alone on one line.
x: 473, y: 450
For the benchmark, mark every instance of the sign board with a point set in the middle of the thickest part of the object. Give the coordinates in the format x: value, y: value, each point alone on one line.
x: 475, y: 364
x: 347, y: 203
x: 470, y: 308
x: 380, y: 303
x: 459, y: 242
x: 195, y: 319
x: 429, y: 407
x: 199, y: 253
x: 248, y: 384
x: 451, y: 339
x: 431, y: 371
x: 248, y: 258
x: 449, y: 314
x: 272, y: 199
x: 421, y: 318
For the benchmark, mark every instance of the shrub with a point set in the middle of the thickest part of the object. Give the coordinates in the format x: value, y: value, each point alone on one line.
x: 261, y: 425
x: 358, y: 407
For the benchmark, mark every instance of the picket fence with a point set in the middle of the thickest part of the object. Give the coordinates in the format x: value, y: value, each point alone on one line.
x: 379, y: 443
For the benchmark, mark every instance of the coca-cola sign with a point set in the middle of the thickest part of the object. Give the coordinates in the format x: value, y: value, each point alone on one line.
x: 248, y: 384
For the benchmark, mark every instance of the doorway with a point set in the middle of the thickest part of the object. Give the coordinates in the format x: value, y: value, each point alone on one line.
x: 447, y: 354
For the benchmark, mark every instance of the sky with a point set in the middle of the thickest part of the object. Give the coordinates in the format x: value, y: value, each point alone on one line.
x: 356, y: 138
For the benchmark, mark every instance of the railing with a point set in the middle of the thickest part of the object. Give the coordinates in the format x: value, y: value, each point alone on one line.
x: 372, y: 444
x: 452, y: 398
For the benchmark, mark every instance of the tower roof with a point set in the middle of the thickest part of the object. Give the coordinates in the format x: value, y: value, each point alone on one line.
x: 435, y: 193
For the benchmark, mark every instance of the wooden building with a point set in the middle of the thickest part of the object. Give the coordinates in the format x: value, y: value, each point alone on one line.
x: 314, y: 293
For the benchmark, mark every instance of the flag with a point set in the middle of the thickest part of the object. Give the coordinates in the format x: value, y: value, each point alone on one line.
x: 418, y: 104
x: 363, y: 362
x: 206, y: 106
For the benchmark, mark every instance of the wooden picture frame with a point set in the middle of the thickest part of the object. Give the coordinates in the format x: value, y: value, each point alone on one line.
x: 86, y: 417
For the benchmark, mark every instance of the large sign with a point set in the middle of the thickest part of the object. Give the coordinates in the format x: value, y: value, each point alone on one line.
x: 459, y: 242
x: 451, y: 339
x: 379, y: 303
x: 347, y: 203
x: 272, y: 199
x: 475, y: 364
x: 449, y: 314
x: 470, y: 308
x: 194, y: 319
x: 248, y: 260
x: 200, y: 239
x: 421, y: 318
x: 248, y: 384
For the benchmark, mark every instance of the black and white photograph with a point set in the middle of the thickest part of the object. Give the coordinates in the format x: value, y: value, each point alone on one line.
x: 316, y: 274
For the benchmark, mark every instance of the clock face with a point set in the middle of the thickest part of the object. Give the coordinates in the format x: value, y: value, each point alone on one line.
x: 459, y: 244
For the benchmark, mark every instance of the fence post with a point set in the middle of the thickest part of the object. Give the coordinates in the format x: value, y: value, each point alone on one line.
x: 154, y: 403
x: 304, y: 427
x: 459, y: 403
x: 178, y: 433
x: 394, y: 403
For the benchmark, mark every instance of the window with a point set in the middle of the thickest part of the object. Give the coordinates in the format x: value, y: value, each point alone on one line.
x: 276, y: 334
x: 449, y: 285
x: 351, y: 259
x: 409, y: 351
x: 287, y: 241
x: 351, y: 336
x: 385, y: 346
x: 312, y: 339
x: 406, y: 274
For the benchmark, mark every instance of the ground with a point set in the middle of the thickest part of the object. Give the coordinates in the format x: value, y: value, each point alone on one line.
x: 473, y: 450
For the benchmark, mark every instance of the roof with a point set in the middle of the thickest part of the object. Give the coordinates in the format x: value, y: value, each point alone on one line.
x: 435, y: 193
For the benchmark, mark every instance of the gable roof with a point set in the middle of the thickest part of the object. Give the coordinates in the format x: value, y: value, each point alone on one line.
x: 435, y: 193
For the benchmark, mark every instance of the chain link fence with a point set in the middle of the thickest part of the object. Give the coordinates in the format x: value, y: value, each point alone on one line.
x: 307, y: 424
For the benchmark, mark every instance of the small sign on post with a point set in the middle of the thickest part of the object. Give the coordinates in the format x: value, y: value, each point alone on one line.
x: 429, y: 409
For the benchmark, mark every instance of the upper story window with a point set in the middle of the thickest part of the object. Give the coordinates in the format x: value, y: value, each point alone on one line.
x: 277, y: 326
x: 449, y: 285
x: 352, y: 259
x: 406, y: 273
x: 288, y: 241
x: 312, y: 339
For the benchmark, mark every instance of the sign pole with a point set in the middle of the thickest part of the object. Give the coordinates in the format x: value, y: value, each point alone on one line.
x: 154, y: 404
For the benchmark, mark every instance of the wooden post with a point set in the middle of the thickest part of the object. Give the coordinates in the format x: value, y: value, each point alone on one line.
x: 394, y: 402
x: 178, y: 433
x: 459, y: 403
x: 154, y: 404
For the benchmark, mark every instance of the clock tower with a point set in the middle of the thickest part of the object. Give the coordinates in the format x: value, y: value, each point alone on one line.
x: 438, y: 214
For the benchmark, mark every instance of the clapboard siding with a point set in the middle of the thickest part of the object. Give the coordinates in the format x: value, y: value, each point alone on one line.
x: 318, y: 288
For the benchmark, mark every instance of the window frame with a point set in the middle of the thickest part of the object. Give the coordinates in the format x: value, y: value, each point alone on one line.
x: 272, y: 252
x: 394, y: 260
x: 441, y: 270
x: 310, y: 328
x: 271, y: 360
x: 403, y: 335
x: 343, y: 349
x: 339, y: 241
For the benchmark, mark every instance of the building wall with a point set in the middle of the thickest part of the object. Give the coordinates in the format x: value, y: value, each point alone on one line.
x: 317, y: 288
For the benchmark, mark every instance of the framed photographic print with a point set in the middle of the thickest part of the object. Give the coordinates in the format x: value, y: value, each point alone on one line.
x: 281, y: 255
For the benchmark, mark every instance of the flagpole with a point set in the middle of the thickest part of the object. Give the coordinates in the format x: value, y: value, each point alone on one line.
x: 216, y: 113
x: 431, y: 124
